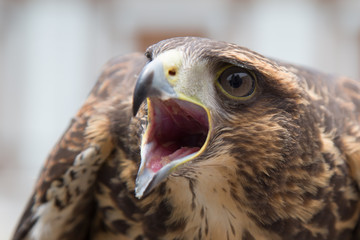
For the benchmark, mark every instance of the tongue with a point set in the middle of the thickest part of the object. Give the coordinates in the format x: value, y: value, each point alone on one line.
x: 157, y: 163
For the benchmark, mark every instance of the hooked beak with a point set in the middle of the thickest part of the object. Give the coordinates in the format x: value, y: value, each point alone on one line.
x: 178, y: 126
x: 151, y: 83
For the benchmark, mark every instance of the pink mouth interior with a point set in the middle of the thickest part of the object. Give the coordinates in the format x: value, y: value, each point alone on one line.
x: 177, y: 129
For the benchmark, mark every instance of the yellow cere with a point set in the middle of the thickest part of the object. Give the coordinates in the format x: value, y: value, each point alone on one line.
x: 172, y: 61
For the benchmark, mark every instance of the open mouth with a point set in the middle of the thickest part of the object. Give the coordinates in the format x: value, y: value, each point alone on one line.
x: 177, y: 130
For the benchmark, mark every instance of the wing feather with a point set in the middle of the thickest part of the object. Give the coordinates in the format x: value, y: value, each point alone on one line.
x: 62, y: 201
x: 351, y: 136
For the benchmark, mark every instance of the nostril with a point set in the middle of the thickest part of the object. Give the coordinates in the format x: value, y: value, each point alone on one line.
x: 172, y: 72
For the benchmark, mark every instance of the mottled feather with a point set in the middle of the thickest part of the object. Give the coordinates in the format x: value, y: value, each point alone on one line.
x: 283, y: 165
x: 91, y: 139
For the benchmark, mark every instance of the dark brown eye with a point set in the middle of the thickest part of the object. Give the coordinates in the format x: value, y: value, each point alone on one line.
x: 237, y: 82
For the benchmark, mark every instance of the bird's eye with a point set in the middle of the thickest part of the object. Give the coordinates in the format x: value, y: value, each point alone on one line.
x: 236, y: 82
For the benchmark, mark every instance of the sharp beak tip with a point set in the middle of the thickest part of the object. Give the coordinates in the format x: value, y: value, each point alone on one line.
x: 142, y: 89
x: 135, y: 108
x: 143, y: 191
x: 138, y: 194
x: 143, y: 183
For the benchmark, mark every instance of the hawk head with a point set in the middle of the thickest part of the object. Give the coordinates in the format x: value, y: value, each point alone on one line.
x: 211, y: 103
x: 242, y: 135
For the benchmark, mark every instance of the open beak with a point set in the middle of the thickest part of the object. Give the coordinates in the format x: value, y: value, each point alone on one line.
x: 178, y: 126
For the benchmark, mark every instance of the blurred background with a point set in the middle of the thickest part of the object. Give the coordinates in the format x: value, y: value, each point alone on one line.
x: 51, y: 53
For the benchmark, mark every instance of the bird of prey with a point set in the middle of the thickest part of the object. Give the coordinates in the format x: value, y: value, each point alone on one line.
x: 203, y: 139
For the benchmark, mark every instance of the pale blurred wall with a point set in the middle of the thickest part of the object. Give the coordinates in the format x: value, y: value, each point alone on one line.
x: 51, y: 53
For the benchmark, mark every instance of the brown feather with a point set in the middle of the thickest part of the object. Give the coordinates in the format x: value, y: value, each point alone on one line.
x: 283, y: 165
x: 90, y: 128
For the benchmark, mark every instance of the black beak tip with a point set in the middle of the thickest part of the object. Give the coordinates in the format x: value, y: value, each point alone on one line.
x: 142, y: 88
x: 135, y: 109
x: 138, y: 98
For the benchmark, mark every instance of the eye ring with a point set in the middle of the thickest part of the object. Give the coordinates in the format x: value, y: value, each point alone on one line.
x: 236, y: 82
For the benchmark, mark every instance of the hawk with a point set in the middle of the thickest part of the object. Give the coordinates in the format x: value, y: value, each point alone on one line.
x: 202, y: 139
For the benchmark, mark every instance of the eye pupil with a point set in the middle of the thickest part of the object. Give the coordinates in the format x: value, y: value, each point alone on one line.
x: 237, y: 82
